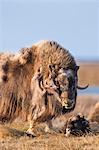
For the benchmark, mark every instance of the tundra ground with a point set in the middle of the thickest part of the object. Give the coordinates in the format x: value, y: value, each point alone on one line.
x: 14, y: 140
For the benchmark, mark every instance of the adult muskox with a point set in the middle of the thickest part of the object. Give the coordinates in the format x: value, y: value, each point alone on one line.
x: 56, y: 76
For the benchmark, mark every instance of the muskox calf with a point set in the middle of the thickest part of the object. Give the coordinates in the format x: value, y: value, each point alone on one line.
x: 77, y: 125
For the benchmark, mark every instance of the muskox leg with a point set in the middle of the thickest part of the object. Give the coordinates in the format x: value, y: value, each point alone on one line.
x: 34, y: 117
x: 31, y: 128
x: 32, y: 121
x: 48, y: 126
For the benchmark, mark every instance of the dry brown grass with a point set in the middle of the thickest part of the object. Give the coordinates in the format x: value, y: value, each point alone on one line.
x: 89, y: 73
x: 12, y: 139
x: 86, y: 103
x: 51, y: 142
x: 94, y: 114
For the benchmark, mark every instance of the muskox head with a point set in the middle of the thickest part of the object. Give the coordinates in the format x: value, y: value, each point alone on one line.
x: 64, y: 83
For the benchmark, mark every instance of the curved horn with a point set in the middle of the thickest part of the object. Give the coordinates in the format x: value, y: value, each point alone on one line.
x: 82, y: 88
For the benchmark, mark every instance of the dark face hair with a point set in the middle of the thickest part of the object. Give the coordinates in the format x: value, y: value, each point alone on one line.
x: 66, y: 81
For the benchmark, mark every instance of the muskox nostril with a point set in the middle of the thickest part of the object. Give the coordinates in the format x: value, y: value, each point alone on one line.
x: 5, y: 78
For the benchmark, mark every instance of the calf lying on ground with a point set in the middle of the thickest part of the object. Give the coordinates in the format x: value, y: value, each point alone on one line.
x: 77, y: 125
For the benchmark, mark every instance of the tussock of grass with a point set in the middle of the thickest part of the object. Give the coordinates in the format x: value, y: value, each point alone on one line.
x: 51, y: 142
x: 9, y: 132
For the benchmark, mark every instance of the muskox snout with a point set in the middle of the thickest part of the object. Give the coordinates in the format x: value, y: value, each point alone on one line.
x: 68, y: 106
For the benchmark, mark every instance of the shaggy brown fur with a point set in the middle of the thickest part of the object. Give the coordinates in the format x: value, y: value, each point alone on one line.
x: 15, y: 90
x: 17, y: 70
x: 44, y: 103
x: 94, y: 115
x: 51, y: 52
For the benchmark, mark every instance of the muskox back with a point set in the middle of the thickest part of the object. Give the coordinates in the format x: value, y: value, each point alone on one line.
x: 50, y: 52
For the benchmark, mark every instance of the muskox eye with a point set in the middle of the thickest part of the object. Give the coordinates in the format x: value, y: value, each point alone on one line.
x: 5, y: 67
x: 56, y: 83
x: 5, y: 78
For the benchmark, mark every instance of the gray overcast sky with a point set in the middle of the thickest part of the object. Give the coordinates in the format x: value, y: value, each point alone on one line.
x: 72, y: 23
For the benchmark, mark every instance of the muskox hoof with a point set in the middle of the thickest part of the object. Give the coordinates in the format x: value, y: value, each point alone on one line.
x: 67, y: 134
x: 47, y: 129
x: 30, y: 133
